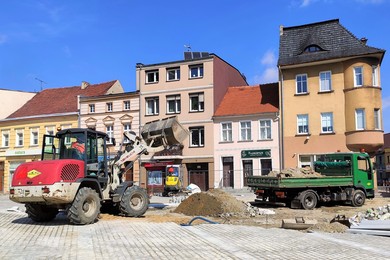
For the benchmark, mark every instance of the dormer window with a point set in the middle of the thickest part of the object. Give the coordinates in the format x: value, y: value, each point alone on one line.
x: 312, y: 48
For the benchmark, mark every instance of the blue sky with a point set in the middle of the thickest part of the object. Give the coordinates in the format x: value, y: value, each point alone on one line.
x: 65, y: 42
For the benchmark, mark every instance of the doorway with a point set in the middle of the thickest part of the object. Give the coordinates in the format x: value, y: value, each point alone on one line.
x: 228, y: 172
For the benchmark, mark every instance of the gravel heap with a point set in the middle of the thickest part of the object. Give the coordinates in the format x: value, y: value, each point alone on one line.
x: 379, y: 213
x: 213, y: 203
x: 306, y: 172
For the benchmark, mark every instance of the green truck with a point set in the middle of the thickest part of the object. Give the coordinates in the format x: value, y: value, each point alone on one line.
x: 337, y: 177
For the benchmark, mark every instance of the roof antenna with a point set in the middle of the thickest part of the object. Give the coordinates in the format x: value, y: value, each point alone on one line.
x: 42, y: 82
x: 188, y: 46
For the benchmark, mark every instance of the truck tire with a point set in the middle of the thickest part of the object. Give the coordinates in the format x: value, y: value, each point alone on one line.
x: 40, y: 213
x: 358, y: 198
x: 308, y: 199
x: 85, y: 208
x: 134, y: 202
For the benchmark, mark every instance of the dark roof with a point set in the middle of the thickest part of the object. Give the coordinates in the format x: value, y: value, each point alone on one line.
x: 334, y: 40
x: 59, y: 100
x: 249, y: 100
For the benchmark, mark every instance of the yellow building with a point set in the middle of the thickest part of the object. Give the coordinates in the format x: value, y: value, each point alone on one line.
x: 21, y: 132
x: 330, y: 92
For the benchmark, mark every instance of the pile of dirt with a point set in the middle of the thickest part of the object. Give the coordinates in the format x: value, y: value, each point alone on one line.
x: 334, y: 227
x: 211, y: 203
x: 306, y: 172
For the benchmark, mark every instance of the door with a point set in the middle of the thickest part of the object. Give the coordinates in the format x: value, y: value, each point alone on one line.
x: 199, y: 178
x: 247, y: 165
x: 228, y: 173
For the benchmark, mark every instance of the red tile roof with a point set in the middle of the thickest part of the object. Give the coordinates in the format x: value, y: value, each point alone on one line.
x: 59, y: 100
x: 247, y: 100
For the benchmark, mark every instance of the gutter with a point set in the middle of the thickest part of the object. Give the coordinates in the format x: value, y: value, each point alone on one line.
x: 281, y: 124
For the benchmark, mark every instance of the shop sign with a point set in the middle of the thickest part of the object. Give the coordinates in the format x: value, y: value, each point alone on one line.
x: 255, y: 153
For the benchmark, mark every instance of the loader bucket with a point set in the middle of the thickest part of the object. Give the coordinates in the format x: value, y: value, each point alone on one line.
x: 167, y: 131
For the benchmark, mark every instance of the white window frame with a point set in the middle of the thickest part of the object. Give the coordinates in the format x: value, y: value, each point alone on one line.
x: 126, y: 129
x: 50, y: 131
x: 109, y: 106
x: 358, y: 76
x: 91, y: 108
x: 5, y: 138
x: 226, y: 132
x: 298, y: 84
x: 245, y: 130
x: 196, y: 102
x: 174, y: 102
x: 196, y: 71
x: 19, y: 140
x: 152, y: 106
x: 67, y: 139
x: 126, y: 105
x: 34, y: 136
x: 375, y: 76
x: 360, y: 119
x: 199, y: 131
x: 302, y: 121
x: 325, y: 78
x: 110, y: 133
x: 152, y: 76
x: 265, y: 126
x: 377, y: 119
x: 173, y: 74
x: 327, y: 122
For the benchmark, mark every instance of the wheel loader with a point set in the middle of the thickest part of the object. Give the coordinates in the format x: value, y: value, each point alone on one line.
x: 80, y: 179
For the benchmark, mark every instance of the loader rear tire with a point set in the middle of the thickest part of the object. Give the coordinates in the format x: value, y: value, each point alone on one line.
x: 134, y: 202
x: 85, y: 208
x: 41, y: 213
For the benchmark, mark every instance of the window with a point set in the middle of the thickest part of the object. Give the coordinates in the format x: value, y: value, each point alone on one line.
x: 152, y: 106
x: 245, y: 131
x: 196, y: 71
x: 34, y: 136
x: 303, y: 124
x: 326, y: 122
x: 196, y: 102
x: 126, y: 129
x: 91, y: 108
x: 109, y: 106
x: 50, y: 131
x: 375, y: 81
x: 110, y: 133
x: 265, y: 129
x: 325, y: 81
x: 358, y: 76
x: 360, y: 119
x: 377, y: 118
x: 226, y: 129
x: 173, y: 104
x: 173, y: 74
x: 312, y: 48
x: 126, y: 105
x: 152, y: 76
x: 196, y: 136
x: 5, y: 139
x: 301, y: 82
x: 19, y: 137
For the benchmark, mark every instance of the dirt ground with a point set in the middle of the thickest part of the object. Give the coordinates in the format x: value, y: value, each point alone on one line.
x: 222, y: 207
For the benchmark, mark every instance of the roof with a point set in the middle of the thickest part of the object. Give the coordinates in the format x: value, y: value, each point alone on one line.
x: 334, y: 40
x: 249, y: 100
x: 59, y: 100
x: 386, y: 141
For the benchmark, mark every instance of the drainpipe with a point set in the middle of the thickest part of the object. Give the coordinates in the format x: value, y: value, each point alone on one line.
x: 281, y: 124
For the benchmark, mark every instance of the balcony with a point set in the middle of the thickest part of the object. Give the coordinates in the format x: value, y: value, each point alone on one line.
x: 369, y: 140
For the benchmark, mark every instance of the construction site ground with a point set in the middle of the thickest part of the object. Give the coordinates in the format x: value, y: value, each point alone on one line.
x: 232, y: 208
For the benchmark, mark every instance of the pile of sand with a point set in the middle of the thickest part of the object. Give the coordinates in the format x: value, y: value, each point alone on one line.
x: 306, y: 172
x: 211, y: 203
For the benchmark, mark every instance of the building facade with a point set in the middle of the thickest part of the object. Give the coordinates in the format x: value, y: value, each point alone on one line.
x: 12, y: 100
x: 246, y: 127
x: 330, y: 92
x: 190, y: 89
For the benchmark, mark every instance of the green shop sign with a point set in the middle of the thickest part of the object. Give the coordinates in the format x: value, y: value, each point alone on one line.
x: 255, y: 153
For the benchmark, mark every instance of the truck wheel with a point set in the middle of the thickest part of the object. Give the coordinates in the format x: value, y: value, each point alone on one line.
x: 308, y: 199
x: 40, y: 213
x: 85, y: 207
x: 358, y: 198
x: 134, y: 202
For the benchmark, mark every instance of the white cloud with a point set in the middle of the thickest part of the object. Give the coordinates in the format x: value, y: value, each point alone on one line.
x: 305, y: 3
x: 269, y: 58
x: 386, y: 102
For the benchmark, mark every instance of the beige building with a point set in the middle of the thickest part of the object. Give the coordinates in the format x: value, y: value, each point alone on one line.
x: 21, y: 133
x: 113, y: 114
x: 330, y: 92
x: 11, y: 100
x: 190, y: 89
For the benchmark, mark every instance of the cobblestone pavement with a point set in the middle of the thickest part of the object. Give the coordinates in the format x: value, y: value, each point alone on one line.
x: 20, y: 238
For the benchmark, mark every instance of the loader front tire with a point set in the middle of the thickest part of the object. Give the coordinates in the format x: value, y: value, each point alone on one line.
x: 85, y: 208
x: 40, y: 213
x: 134, y: 202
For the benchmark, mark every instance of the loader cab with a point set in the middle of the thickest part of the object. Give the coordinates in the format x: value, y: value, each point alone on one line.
x: 81, y: 144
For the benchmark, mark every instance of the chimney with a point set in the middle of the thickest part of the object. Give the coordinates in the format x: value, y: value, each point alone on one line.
x: 84, y: 84
x: 281, y: 30
x: 364, y: 40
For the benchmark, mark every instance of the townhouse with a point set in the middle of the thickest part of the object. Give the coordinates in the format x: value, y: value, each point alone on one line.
x: 49, y: 110
x: 190, y: 89
x: 330, y: 92
x: 246, y: 130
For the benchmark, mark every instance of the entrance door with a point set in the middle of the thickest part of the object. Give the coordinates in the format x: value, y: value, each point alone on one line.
x: 228, y: 173
x: 199, y: 178
x: 247, y: 165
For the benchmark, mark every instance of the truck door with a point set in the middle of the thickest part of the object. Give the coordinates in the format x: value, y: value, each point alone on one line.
x: 363, y: 173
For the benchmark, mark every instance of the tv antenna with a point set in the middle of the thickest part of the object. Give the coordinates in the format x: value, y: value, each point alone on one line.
x: 41, y: 81
x: 188, y: 46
